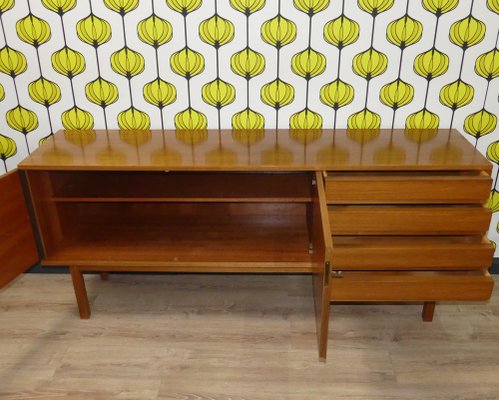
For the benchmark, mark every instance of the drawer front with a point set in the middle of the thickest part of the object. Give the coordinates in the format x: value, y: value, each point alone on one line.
x: 408, y: 188
x: 411, y: 253
x: 411, y: 286
x: 408, y: 220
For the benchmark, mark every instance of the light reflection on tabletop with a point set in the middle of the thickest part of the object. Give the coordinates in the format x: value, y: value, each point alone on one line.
x: 239, y: 150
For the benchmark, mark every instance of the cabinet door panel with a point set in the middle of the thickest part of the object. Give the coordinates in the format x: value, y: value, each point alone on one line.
x: 18, y: 250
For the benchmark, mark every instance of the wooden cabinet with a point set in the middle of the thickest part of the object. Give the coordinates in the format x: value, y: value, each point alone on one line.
x: 366, y: 222
x: 409, y: 236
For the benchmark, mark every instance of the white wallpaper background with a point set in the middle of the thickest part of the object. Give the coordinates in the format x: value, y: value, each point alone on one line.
x: 138, y: 64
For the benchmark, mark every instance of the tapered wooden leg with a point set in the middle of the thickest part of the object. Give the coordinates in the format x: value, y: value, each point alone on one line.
x: 104, y: 276
x: 428, y: 310
x: 80, y: 292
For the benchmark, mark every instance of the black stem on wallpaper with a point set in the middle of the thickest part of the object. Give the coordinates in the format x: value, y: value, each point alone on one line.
x: 99, y: 76
x: 307, y: 90
x: 129, y: 78
x: 370, y: 49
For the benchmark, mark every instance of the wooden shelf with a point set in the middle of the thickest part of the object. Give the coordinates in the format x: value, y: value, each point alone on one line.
x: 184, y: 237
x: 179, y: 187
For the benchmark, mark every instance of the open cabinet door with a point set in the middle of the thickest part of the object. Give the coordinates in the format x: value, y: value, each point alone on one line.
x: 18, y: 250
x: 321, y: 261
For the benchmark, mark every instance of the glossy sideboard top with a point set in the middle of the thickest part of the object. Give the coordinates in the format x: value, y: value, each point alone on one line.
x: 257, y: 150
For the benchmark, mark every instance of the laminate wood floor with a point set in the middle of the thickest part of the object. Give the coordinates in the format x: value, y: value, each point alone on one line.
x: 235, y: 337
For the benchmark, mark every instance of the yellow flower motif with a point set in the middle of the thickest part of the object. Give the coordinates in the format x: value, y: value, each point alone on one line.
x: 184, y: 7
x: 404, y: 32
x: 308, y: 63
x: 191, y: 137
x: 59, y: 6
x: 121, y: 6
x: 247, y: 63
x: 133, y: 119
x: 248, y: 119
x: 467, y: 32
x: 493, y: 152
x: 160, y: 93
x: 341, y: 32
x: 337, y: 94
x: 277, y: 94
x: 8, y: 147
x: 370, y: 63
x: 278, y: 31
x: 422, y: 119
x: 374, y: 7
x: 247, y: 7
x: 248, y: 136
x: 187, y: 63
x: 493, y: 201
x: 22, y: 120
x: 396, y: 94
x: 6, y: 5
x: 93, y: 30
x: 218, y: 93
x: 77, y: 119
x: 33, y: 30
x: 2, y: 93
x: 190, y: 119
x: 12, y: 62
x: 431, y: 64
x: 487, y: 65
x: 305, y: 136
x: 68, y: 62
x: 127, y: 62
x: 439, y: 7
x: 480, y: 123
x: 456, y: 94
x: 136, y: 137
x: 101, y: 92
x: 364, y: 119
x: 216, y: 31
x: 311, y: 7
x: 493, y: 5
x: 305, y: 119
x: 155, y: 31
x: 44, y: 92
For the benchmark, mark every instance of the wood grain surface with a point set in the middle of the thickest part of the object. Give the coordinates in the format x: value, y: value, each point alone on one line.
x: 409, y: 220
x: 407, y: 188
x: 266, y: 150
x: 412, y: 252
x: 237, y: 337
x: 18, y: 250
x: 360, y: 286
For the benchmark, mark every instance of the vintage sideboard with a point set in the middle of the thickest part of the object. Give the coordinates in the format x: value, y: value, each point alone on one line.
x: 372, y: 215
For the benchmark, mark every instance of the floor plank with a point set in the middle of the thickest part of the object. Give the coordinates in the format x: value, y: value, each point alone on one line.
x: 235, y: 337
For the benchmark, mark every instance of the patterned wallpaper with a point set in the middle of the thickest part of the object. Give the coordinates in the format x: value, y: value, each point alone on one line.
x: 136, y: 64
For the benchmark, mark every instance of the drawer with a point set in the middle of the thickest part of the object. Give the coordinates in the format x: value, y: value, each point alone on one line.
x: 408, y: 220
x: 407, y: 187
x: 411, y: 252
x: 411, y: 286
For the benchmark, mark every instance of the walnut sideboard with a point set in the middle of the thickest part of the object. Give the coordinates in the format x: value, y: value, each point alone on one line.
x: 372, y: 215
